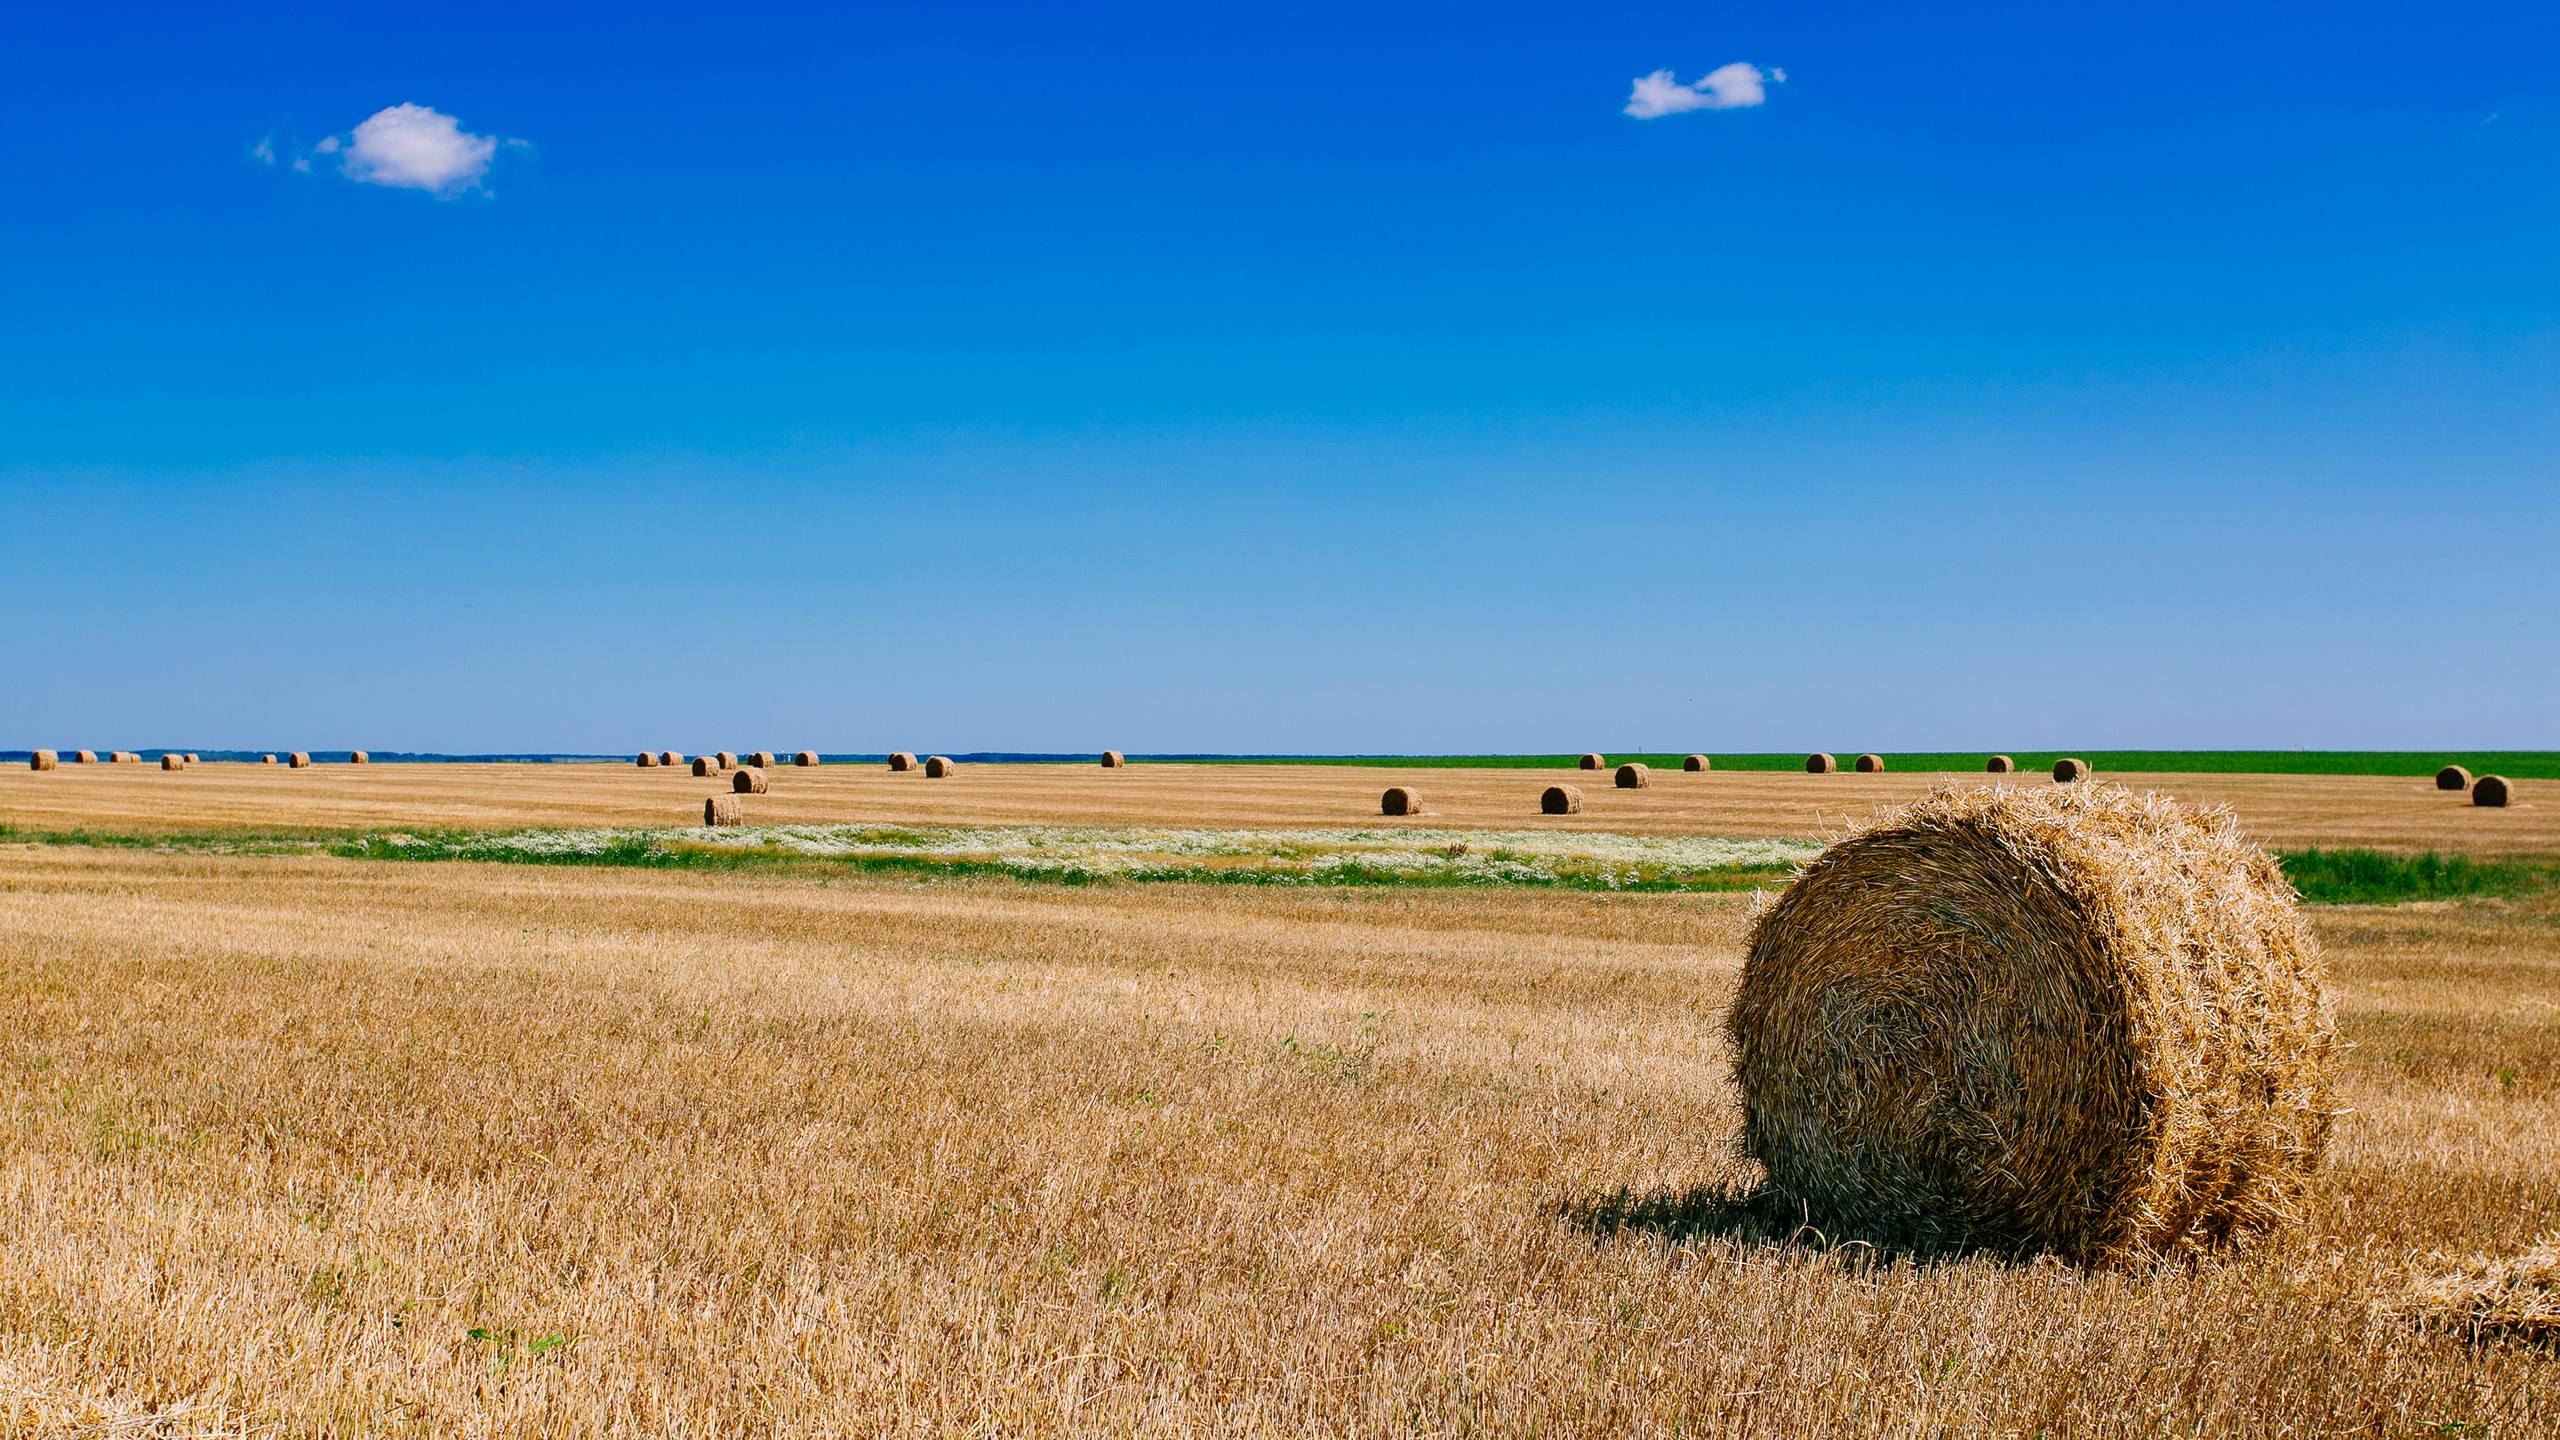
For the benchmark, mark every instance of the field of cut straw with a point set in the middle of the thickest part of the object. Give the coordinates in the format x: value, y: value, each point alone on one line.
x: 304, y: 1142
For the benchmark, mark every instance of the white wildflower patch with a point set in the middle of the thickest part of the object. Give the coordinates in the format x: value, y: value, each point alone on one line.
x: 1315, y: 856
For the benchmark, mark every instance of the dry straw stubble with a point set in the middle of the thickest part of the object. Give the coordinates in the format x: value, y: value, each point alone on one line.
x: 2082, y: 1021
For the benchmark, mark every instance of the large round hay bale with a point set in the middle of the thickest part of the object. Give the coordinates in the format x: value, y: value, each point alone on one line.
x: 358, y: 757
x: 1561, y: 800
x: 901, y: 760
x: 1400, y: 800
x: 2068, y: 770
x: 299, y: 760
x: 761, y: 759
x: 749, y: 780
x: 173, y: 761
x: 724, y: 810
x: 648, y: 759
x: 706, y: 765
x: 2453, y: 777
x: 726, y: 760
x: 44, y: 760
x: 805, y: 759
x: 936, y: 767
x: 1595, y: 761
x: 1634, y: 775
x: 266, y: 759
x: 1819, y: 764
x: 1696, y: 763
x: 84, y: 757
x: 2490, y: 790
x: 2082, y: 1021
x: 1113, y: 760
x: 1870, y: 764
x: 1999, y: 765
x: 670, y: 758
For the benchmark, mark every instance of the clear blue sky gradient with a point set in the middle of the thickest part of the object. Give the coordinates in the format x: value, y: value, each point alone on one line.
x: 1328, y: 379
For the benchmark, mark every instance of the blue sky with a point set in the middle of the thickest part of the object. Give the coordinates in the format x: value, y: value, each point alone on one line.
x: 1334, y: 379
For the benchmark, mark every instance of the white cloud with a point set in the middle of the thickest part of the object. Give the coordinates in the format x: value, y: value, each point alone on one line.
x: 264, y: 152
x: 413, y: 147
x: 1727, y: 87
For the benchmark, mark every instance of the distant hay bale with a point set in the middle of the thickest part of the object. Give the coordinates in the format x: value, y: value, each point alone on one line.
x: 2000, y: 765
x: 2490, y: 790
x: 1595, y: 762
x: 1696, y: 763
x: 1870, y: 764
x: 2517, y: 1298
x: 1400, y: 800
x: 670, y: 759
x: 726, y: 760
x: 44, y: 760
x: 749, y: 780
x: 84, y: 757
x: 358, y: 757
x: 724, y: 810
x: 2081, y: 1021
x: 299, y: 760
x: 761, y: 759
x: 901, y: 760
x: 936, y: 767
x: 705, y: 765
x: 805, y: 758
x: 2453, y: 777
x: 2067, y: 771
x: 1113, y: 760
x: 1561, y: 800
x: 172, y: 761
x: 128, y: 757
x: 266, y: 759
x: 1634, y: 776
x: 648, y: 759
x: 1819, y: 764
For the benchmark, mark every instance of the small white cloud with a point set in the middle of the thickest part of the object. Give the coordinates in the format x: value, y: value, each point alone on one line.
x: 1727, y: 87
x: 264, y: 152
x: 413, y: 147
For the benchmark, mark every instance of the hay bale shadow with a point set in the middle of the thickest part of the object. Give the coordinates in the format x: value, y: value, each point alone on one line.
x: 1751, y: 1214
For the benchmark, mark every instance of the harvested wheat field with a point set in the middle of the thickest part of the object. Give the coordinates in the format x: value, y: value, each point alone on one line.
x: 325, y: 1146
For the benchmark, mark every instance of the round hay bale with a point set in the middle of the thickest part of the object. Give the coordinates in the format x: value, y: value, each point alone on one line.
x: 173, y: 761
x: 2081, y: 1021
x: 2491, y: 790
x: 1999, y: 765
x: 44, y: 760
x: 1561, y: 800
x: 84, y: 757
x: 670, y: 759
x: 299, y: 760
x: 1819, y: 764
x: 1113, y: 760
x: 358, y: 757
x: 1870, y: 764
x: 2068, y: 771
x: 1634, y: 776
x: 266, y: 759
x: 724, y: 810
x: 726, y: 760
x: 749, y: 780
x: 194, y: 759
x: 1595, y: 762
x: 937, y: 767
x: 648, y: 759
x: 705, y: 765
x: 1400, y: 800
x: 128, y: 757
x: 1696, y: 763
x: 2453, y: 777
x: 761, y: 759
x: 805, y: 759
x: 900, y: 760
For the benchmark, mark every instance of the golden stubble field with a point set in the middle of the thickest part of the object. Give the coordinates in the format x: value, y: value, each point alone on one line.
x: 310, y: 1146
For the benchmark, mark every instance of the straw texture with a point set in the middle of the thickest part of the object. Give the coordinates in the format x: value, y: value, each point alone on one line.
x: 1400, y: 800
x: 1561, y: 800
